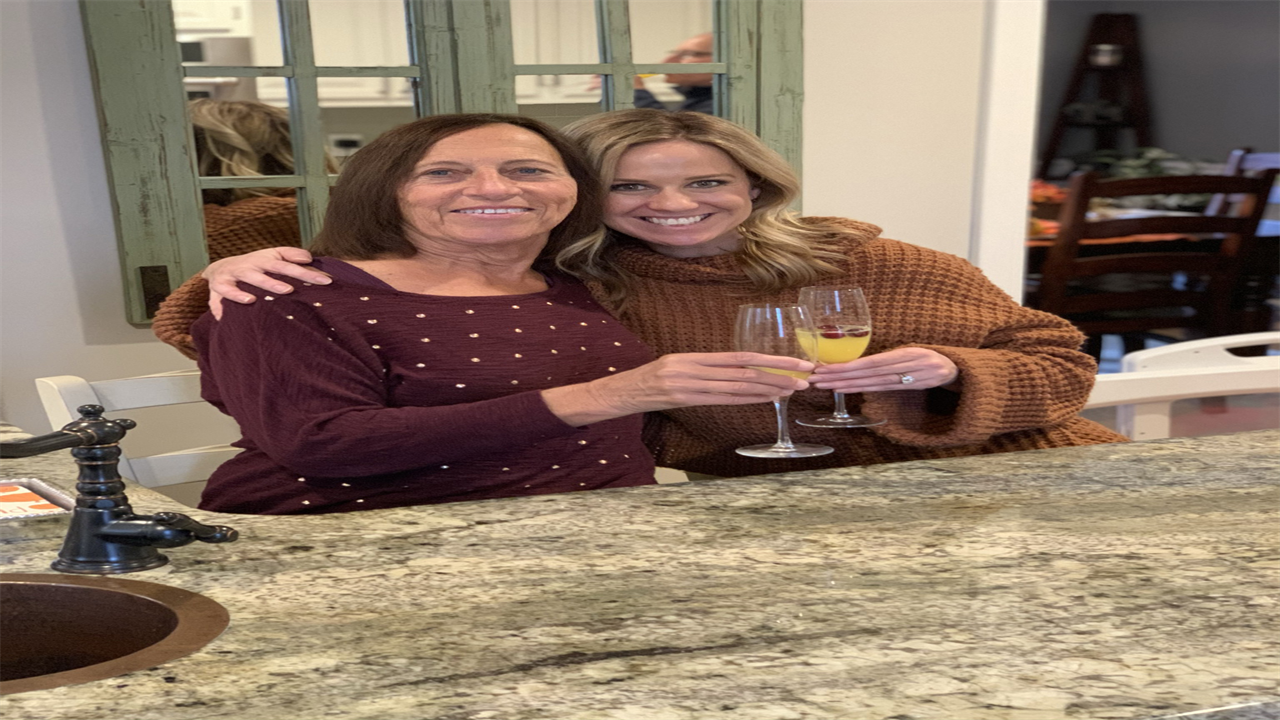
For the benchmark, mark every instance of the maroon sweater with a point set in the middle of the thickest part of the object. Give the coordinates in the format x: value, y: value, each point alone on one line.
x: 356, y: 396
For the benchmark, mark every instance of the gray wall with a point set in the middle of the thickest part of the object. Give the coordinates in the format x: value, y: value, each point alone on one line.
x: 1212, y: 70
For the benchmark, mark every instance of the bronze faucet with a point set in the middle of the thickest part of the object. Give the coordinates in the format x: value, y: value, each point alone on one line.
x: 105, y: 537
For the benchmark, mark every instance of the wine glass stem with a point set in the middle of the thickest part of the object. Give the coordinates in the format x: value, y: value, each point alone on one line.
x: 784, y: 436
x: 840, y: 410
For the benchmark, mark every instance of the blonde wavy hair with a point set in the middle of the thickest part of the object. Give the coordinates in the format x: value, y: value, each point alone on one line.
x: 237, y: 138
x: 778, y: 250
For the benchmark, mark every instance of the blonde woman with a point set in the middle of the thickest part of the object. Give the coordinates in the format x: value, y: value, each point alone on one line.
x: 697, y: 222
x: 245, y: 139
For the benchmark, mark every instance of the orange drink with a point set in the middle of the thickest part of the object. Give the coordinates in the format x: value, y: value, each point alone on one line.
x: 835, y: 343
x: 802, y: 374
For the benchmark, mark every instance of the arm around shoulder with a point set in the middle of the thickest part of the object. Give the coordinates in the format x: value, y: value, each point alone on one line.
x: 184, y: 306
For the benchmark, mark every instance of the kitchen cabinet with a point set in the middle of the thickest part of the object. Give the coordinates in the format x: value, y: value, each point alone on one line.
x: 212, y: 17
x: 554, y: 31
x: 345, y: 33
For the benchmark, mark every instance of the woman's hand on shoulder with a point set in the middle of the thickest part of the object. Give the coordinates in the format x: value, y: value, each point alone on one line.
x: 679, y: 380
x: 252, y: 268
x: 885, y: 372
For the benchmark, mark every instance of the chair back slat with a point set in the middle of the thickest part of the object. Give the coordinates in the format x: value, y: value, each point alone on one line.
x: 61, y: 395
x: 1159, y: 298
x: 1165, y: 225
x: 169, y: 468
x: 149, y: 391
x: 1183, y: 383
x: 1259, y: 161
x: 1154, y: 379
x: 1173, y: 185
x: 1244, y: 161
x: 1120, y: 326
x: 1209, y: 250
x: 1144, y: 263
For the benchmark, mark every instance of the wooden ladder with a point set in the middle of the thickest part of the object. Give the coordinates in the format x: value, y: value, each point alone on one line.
x: 1106, y: 93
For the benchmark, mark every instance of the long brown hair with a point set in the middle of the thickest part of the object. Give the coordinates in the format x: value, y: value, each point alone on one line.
x: 778, y: 249
x: 364, y: 222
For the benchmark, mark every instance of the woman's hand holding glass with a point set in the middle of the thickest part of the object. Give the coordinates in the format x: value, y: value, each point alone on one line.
x: 905, y: 368
x: 875, y: 373
x: 842, y: 319
x: 776, y: 329
x: 841, y: 334
x: 680, y: 380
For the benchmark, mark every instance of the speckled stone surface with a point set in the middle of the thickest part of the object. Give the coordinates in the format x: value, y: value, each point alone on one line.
x: 1121, y: 581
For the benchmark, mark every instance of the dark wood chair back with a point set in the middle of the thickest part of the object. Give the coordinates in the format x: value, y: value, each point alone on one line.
x: 1244, y: 161
x: 1209, y: 256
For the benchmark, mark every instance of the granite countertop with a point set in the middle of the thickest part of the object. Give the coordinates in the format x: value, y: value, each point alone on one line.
x: 1115, y: 581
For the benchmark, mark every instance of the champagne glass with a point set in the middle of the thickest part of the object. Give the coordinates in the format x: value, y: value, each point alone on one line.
x: 771, y: 328
x: 842, y: 331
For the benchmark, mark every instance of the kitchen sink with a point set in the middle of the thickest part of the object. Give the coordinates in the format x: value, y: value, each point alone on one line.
x: 64, y: 630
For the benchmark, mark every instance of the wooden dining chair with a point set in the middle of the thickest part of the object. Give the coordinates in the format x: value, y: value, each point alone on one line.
x: 1136, y: 275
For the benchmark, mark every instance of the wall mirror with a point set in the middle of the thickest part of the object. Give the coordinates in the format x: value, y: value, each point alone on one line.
x: 340, y: 72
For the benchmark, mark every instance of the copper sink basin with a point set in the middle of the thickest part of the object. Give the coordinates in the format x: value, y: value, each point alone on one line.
x: 64, y: 629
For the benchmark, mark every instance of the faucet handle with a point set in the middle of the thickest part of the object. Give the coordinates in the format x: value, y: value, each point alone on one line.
x: 96, y: 429
x: 200, y: 531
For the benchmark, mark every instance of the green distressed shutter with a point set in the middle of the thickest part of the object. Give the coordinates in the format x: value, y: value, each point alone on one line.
x: 141, y: 108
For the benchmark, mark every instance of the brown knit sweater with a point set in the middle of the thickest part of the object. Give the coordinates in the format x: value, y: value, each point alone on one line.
x: 1023, y: 378
x: 241, y: 227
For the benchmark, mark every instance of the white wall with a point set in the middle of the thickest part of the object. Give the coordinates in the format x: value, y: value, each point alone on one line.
x: 890, y: 115
x: 895, y: 134
x: 1214, y: 72
x: 1210, y: 69
x: 61, y: 307
x: 919, y: 117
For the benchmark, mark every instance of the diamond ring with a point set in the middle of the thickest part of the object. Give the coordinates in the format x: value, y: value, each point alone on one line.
x: 906, y: 379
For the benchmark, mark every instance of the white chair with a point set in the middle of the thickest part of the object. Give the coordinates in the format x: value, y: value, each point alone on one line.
x: 61, y: 395
x: 1151, y: 380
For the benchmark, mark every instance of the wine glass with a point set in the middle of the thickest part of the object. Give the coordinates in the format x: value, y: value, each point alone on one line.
x: 842, y: 331
x: 771, y: 328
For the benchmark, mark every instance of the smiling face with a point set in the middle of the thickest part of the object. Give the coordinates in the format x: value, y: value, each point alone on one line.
x: 492, y: 186
x: 682, y: 198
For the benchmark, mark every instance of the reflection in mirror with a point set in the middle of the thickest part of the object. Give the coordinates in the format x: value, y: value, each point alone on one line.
x: 244, y: 139
x: 264, y: 23
x: 558, y: 99
x: 350, y: 126
x: 554, y: 31
x: 359, y: 33
x: 564, y: 31
x: 673, y: 31
x: 221, y: 34
x: 551, y: 32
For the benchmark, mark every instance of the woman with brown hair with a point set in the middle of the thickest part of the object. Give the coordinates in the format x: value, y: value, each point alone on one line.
x: 447, y: 359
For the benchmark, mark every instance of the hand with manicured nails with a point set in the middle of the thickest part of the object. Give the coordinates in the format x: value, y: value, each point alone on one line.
x: 883, y: 372
x: 678, y: 380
